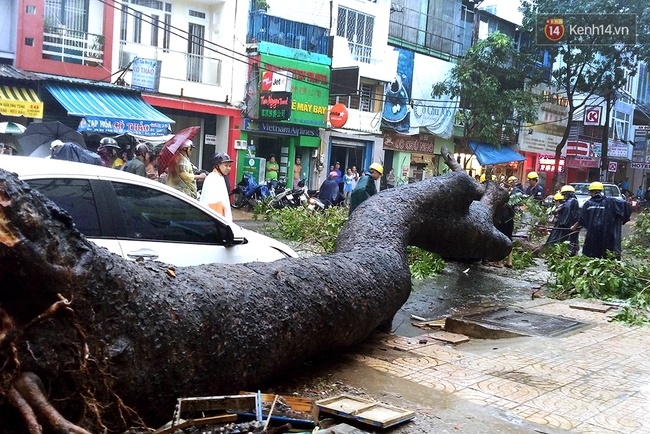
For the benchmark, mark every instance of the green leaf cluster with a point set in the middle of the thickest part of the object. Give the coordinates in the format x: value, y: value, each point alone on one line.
x: 322, y: 229
x: 638, y: 240
x: 494, y: 82
x: 304, y: 225
x: 521, y: 258
x: 423, y: 263
x: 602, y: 279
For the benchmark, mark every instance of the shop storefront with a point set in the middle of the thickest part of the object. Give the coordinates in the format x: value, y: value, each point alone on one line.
x: 413, y: 158
x: 288, y: 94
x: 416, y: 125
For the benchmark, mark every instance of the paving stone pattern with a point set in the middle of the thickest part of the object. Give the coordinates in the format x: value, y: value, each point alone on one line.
x: 596, y: 380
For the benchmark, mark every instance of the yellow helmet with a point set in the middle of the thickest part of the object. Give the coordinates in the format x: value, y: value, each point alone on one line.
x: 482, y: 178
x: 558, y: 196
x: 596, y: 186
x: 567, y: 188
x: 532, y: 175
x: 512, y: 179
x: 377, y: 167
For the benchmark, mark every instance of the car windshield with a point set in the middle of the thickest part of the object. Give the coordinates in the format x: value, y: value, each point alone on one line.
x: 581, y: 188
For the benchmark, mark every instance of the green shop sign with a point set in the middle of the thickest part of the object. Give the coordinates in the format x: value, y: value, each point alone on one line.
x: 309, y: 88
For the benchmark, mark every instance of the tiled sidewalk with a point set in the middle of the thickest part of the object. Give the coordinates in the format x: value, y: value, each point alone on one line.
x: 596, y: 380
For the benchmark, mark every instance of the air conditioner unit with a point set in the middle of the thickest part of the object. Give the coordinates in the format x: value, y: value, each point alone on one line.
x: 241, y: 144
x: 126, y: 57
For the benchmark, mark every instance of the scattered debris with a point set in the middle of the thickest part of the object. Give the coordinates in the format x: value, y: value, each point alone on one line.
x: 591, y: 307
x: 365, y: 410
x: 448, y: 337
x: 434, y: 323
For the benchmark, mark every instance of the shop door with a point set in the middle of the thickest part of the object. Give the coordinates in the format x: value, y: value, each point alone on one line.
x: 348, y: 156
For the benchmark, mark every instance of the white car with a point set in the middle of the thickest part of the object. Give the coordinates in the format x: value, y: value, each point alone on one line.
x: 582, y: 191
x: 138, y: 218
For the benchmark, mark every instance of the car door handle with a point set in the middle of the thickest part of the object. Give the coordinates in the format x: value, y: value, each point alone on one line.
x: 143, y: 254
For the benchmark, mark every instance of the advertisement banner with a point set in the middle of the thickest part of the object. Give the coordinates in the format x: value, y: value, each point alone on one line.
x: 309, y: 88
x: 408, y: 103
x: 582, y: 162
x: 122, y: 126
x: 544, y: 136
x: 146, y: 74
x: 275, y: 106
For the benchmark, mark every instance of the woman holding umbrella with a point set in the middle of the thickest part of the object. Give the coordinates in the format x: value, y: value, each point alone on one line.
x: 180, y: 173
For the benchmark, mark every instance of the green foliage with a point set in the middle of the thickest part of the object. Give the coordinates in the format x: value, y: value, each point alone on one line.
x: 638, y: 240
x: 304, y: 225
x: 602, y: 279
x: 521, y: 258
x: 322, y: 229
x: 423, y: 263
x: 532, y: 216
x: 494, y: 81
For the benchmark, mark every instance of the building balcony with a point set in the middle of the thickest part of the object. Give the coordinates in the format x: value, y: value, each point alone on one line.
x: 72, y: 46
x: 175, y: 65
x: 267, y: 28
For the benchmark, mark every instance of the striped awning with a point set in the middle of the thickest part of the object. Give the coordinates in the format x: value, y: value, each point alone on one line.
x: 20, y: 101
x: 110, y: 111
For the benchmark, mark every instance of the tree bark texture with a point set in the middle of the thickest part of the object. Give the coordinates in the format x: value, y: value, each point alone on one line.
x: 114, y: 341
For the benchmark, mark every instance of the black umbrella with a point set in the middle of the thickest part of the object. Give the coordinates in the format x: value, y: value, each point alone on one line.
x: 42, y: 133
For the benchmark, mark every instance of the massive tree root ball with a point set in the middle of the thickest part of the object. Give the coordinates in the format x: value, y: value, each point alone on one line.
x: 91, y: 342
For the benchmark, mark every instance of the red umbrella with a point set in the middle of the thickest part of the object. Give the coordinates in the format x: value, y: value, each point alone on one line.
x: 172, y: 145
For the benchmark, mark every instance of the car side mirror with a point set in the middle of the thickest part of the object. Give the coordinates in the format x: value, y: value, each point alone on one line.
x: 226, y: 235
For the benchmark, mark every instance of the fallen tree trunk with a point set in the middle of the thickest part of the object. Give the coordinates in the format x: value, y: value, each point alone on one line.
x: 106, y: 335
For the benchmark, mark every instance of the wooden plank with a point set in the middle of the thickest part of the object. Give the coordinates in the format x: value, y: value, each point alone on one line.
x: 432, y: 324
x: 364, y: 410
x: 307, y: 406
x: 451, y: 338
x: 210, y: 403
x: 591, y: 307
x: 224, y: 418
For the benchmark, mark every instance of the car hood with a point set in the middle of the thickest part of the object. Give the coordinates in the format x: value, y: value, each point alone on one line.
x: 250, y: 236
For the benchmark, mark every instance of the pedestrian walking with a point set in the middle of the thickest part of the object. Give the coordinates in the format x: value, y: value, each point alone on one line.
x: 603, y: 218
x: 216, y: 190
x: 339, y: 176
x: 366, y: 186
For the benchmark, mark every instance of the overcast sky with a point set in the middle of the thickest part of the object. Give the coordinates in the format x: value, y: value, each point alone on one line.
x: 506, y: 9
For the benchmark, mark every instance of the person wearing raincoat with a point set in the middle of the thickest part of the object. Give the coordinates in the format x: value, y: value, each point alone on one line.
x: 366, y: 186
x: 603, y: 218
x: 567, y: 214
x: 216, y: 190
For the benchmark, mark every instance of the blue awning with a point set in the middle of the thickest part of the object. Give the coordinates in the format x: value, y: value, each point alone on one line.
x: 110, y: 111
x: 488, y: 154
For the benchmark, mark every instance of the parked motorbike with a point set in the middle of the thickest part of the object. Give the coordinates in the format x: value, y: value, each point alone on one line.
x: 293, y: 198
x: 248, y: 193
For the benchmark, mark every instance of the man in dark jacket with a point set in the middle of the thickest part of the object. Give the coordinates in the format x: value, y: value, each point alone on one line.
x: 567, y: 215
x: 366, y: 186
x: 603, y: 218
x: 329, y: 190
x: 534, y: 189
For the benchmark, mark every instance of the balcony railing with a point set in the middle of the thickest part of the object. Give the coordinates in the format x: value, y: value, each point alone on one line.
x: 175, y: 65
x: 72, y: 46
x: 422, y: 32
x: 267, y: 28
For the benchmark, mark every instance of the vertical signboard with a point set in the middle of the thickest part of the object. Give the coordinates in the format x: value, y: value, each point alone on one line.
x: 309, y: 88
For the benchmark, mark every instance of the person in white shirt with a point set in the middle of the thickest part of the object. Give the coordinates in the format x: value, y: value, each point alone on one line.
x: 216, y: 187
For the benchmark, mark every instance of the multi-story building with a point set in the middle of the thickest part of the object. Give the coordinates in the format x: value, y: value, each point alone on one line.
x: 287, y: 92
x: 103, y: 65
